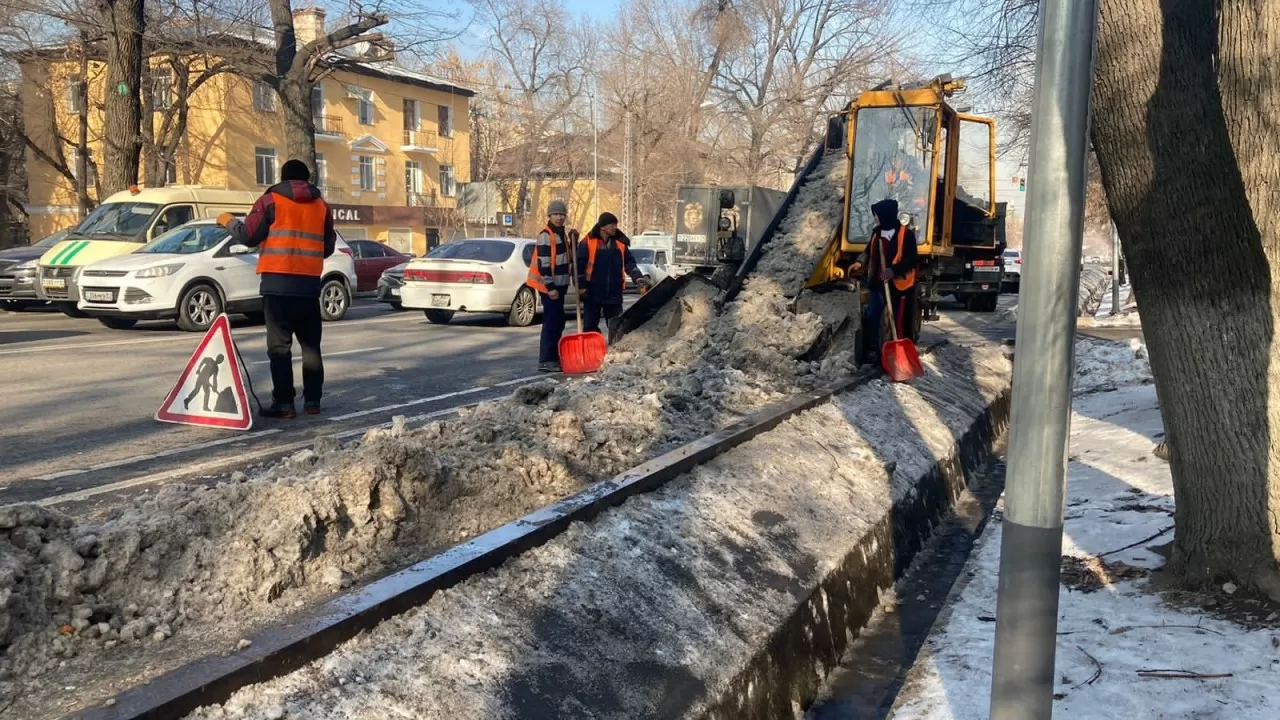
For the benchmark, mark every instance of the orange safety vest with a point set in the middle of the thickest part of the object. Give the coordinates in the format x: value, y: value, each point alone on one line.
x: 295, y: 242
x: 592, y: 245
x: 906, y: 281
x: 534, y: 280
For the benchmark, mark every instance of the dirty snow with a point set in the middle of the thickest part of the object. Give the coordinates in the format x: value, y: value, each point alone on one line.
x: 1112, y: 625
x: 1107, y: 365
x: 127, y: 590
x: 652, y: 608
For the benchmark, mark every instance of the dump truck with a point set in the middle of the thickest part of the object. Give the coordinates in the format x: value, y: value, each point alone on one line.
x: 716, y: 225
x: 905, y: 142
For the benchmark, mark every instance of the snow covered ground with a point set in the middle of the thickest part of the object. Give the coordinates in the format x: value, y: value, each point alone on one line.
x: 1124, y: 651
x: 1127, y: 317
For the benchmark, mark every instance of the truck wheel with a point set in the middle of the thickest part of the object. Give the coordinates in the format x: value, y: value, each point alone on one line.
x: 118, y: 323
x: 523, y: 308
x: 438, y: 317
x: 70, y: 310
x: 199, y: 307
x: 984, y: 302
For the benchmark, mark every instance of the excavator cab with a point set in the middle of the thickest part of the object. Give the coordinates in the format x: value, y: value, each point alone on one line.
x: 909, y: 144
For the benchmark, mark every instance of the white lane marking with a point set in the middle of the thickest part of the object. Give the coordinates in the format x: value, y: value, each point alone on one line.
x: 517, y: 381
x: 411, y: 403
x: 214, y: 465
x: 324, y: 354
x: 156, y: 455
x: 78, y: 346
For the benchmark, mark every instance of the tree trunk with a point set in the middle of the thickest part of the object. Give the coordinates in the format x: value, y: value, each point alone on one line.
x: 299, y: 125
x: 125, y: 23
x: 82, y: 135
x: 1186, y: 98
x: 152, y: 160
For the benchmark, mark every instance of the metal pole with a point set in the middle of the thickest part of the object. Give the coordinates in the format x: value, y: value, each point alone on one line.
x: 1031, y: 549
x: 595, y: 160
x: 1115, y: 270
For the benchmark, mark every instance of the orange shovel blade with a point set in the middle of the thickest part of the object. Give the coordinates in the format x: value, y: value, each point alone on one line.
x: 901, y: 361
x: 582, y: 353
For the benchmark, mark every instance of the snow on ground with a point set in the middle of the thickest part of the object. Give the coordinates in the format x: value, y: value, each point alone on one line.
x: 653, y: 607
x: 1111, y: 624
x: 1106, y: 365
x: 1127, y: 316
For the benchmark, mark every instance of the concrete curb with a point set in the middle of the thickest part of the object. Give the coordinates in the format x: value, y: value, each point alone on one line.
x: 788, y: 672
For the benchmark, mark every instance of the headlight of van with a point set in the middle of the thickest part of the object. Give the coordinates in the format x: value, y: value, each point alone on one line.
x: 158, y: 271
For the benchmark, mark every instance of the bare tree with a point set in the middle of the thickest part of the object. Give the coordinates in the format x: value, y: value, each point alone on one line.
x: 123, y: 22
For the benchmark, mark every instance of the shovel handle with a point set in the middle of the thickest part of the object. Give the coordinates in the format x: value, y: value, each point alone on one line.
x: 888, y: 296
x: 572, y: 237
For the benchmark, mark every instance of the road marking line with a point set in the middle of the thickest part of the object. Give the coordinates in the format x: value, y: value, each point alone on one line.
x: 517, y: 381
x: 397, y: 406
x: 244, y: 459
x: 326, y: 354
x: 157, y: 455
x: 78, y: 346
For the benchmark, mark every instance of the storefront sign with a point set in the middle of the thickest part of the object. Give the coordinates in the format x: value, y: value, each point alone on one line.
x: 352, y: 214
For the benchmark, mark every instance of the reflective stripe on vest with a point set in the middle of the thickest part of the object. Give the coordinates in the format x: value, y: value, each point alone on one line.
x: 906, y: 281
x: 534, y: 279
x: 295, y: 242
x: 592, y: 245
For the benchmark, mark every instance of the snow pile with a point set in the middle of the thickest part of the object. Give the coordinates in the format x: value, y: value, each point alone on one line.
x: 1109, y: 640
x: 1106, y: 365
x: 652, y: 608
x: 79, y: 594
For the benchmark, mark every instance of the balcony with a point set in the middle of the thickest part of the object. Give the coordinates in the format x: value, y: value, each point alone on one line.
x: 420, y: 141
x: 332, y: 193
x: 417, y: 199
x: 329, y: 127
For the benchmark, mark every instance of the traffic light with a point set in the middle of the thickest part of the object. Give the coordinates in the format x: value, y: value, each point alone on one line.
x: 1022, y: 184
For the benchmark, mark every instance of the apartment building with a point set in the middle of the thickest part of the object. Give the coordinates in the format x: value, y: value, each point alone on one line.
x: 392, y: 144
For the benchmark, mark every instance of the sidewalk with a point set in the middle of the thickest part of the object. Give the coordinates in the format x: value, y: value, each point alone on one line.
x: 1125, y: 649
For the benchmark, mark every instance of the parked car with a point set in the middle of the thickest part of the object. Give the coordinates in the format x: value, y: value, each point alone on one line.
x: 18, y: 271
x: 1012, y: 269
x: 652, y: 263
x: 485, y: 275
x: 193, y: 274
x: 389, y: 285
x: 372, y: 258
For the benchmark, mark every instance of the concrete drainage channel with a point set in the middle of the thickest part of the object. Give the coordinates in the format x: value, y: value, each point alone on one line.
x: 779, y: 664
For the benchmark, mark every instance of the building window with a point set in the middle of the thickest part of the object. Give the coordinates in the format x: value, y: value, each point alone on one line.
x: 445, y: 121
x: 75, y: 87
x: 317, y: 100
x: 266, y: 165
x: 366, y: 172
x: 264, y: 97
x: 170, y: 172
x: 321, y: 178
x: 88, y: 164
x: 162, y: 90
x: 413, y: 182
x: 365, y: 109
x: 448, y: 186
x: 412, y: 116
x: 561, y: 194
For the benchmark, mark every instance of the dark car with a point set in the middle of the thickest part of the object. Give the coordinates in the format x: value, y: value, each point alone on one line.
x: 372, y: 258
x: 389, y: 285
x: 18, y: 272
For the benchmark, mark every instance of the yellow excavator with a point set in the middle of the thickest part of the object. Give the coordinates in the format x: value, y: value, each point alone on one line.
x: 905, y: 142
x: 908, y: 143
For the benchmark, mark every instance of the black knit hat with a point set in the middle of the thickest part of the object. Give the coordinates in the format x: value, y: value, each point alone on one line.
x: 295, y: 170
x: 607, y: 219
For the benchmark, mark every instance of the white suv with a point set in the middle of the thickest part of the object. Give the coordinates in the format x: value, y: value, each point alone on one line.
x: 193, y: 274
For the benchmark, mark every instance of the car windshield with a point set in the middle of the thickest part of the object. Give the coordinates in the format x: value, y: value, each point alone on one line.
x: 643, y: 255
x: 892, y: 158
x: 186, y: 240
x: 1011, y: 253
x: 494, y: 251
x: 126, y: 219
x: 53, y: 239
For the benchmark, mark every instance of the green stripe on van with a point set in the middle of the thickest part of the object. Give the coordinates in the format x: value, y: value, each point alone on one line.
x: 83, y: 244
x: 57, y: 259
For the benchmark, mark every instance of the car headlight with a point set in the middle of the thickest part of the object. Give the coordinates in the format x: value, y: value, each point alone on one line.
x: 158, y: 271
x: 26, y: 265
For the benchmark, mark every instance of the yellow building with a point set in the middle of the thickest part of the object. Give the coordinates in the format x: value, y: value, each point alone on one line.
x: 561, y: 167
x: 392, y: 144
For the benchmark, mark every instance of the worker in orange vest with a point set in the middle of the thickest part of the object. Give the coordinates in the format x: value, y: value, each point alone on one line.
x: 293, y: 230
x: 549, y: 274
x: 896, y: 243
x: 604, y: 262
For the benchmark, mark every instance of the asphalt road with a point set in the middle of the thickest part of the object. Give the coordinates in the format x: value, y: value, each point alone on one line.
x: 77, y: 424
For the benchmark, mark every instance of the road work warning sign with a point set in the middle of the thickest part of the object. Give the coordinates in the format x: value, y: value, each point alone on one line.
x: 210, y: 391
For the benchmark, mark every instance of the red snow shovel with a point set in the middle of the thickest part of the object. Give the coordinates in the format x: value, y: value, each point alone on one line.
x: 581, y: 352
x: 898, y: 356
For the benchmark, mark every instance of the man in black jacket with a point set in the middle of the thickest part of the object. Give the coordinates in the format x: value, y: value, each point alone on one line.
x: 896, y: 244
x: 603, y: 259
x: 293, y: 229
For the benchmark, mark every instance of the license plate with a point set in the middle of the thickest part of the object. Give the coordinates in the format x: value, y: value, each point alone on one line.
x: 99, y: 296
x: 56, y: 284
x: 395, y: 292
x: 440, y: 300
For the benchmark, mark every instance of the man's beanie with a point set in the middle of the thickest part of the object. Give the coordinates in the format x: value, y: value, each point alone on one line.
x: 295, y: 170
x: 557, y: 207
x: 607, y: 219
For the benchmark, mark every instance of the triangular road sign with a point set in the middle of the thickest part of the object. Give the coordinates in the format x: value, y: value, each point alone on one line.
x: 210, y: 391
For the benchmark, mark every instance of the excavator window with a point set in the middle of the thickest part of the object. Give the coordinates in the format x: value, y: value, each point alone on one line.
x: 891, y: 161
x: 973, y: 171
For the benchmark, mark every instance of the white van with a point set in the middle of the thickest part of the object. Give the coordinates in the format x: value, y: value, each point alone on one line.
x: 123, y: 223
